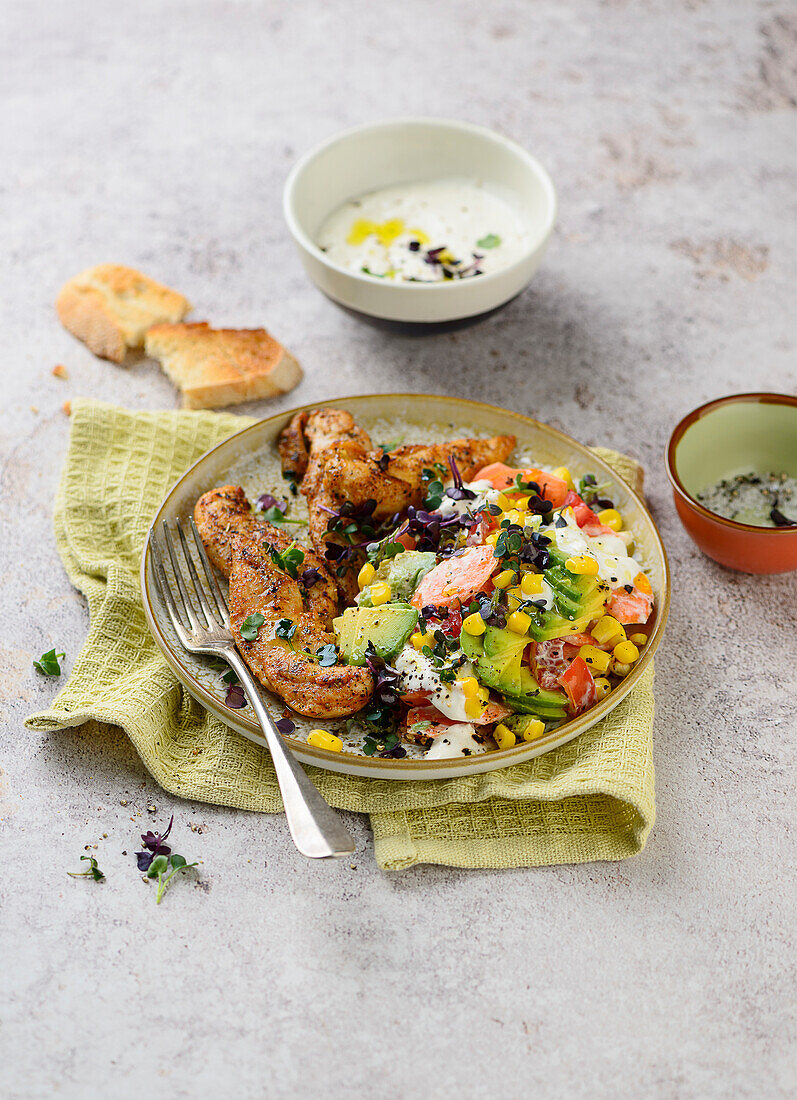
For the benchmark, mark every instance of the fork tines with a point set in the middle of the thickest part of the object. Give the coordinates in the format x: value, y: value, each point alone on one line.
x: 212, y: 604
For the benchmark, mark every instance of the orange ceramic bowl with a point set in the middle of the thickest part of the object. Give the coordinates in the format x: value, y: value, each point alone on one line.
x: 726, y: 437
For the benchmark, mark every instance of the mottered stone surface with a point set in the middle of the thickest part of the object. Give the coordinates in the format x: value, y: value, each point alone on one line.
x: 159, y: 136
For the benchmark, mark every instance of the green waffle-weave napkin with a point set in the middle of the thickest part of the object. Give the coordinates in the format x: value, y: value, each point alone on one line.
x: 591, y: 799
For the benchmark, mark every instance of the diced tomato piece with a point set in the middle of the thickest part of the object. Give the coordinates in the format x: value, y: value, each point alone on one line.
x: 438, y: 723
x: 580, y: 687
x: 448, y: 620
x: 630, y: 607
x: 456, y: 580
x: 493, y: 712
x: 502, y: 476
x: 548, y: 662
x: 416, y: 698
x: 408, y: 541
x: 586, y: 519
x: 550, y: 659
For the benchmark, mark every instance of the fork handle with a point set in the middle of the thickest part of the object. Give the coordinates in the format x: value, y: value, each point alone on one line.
x: 316, y: 829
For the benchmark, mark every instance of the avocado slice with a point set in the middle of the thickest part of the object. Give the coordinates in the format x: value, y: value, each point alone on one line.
x: 403, y: 573
x: 386, y: 628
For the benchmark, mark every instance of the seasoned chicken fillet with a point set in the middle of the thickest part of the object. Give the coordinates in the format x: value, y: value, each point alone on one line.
x: 236, y: 542
x: 288, y: 667
x: 309, y: 434
x: 393, y: 479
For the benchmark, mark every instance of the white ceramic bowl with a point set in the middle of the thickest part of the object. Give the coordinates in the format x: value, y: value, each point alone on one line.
x: 405, y: 151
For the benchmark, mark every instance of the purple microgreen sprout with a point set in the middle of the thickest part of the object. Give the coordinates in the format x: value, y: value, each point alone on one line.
x: 310, y: 576
x: 285, y: 725
x: 153, y: 846
x: 235, y: 697
x: 266, y: 501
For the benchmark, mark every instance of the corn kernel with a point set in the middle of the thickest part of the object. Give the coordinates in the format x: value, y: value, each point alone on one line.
x: 492, y: 539
x: 366, y: 575
x: 531, y: 584
x: 380, y: 593
x: 602, y: 687
x: 504, y: 578
x: 419, y: 640
x: 626, y: 653
x: 620, y: 670
x: 522, y: 504
x: 611, y: 518
x: 519, y: 622
x: 597, y: 659
x: 643, y: 584
x: 582, y: 566
x: 533, y: 729
x: 503, y: 502
x: 639, y: 639
x: 323, y: 739
x: 565, y: 475
x: 470, y: 686
x: 608, y: 630
x: 504, y: 737
x: 514, y: 597
x: 473, y: 708
x: 474, y: 624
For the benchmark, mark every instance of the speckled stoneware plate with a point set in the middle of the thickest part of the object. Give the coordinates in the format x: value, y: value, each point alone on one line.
x: 250, y: 459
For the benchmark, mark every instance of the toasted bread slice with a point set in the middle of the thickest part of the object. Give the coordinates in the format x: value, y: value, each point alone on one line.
x: 218, y: 367
x: 110, y: 308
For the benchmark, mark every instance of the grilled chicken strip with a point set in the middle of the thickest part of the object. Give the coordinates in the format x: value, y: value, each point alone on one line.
x: 234, y: 539
x: 393, y: 479
x: 309, y: 434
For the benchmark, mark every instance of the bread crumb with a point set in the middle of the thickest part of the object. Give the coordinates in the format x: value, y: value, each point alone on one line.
x: 60, y: 371
x: 67, y: 408
x: 34, y: 408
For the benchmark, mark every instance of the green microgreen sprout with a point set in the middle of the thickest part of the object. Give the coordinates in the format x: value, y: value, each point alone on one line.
x: 285, y: 629
x: 327, y: 655
x: 491, y: 240
x: 48, y: 664
x: 251, y: 625
x: 164, y: 868
x: 92, y: 872
x: 288, y: 560
x: 276, y: 516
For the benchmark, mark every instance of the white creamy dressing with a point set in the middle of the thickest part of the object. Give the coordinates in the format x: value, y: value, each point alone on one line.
x: 484, y: 491
x: 417, y: 673
x: 458, y: 740
x: 615, y: 565
x: 452, y: 213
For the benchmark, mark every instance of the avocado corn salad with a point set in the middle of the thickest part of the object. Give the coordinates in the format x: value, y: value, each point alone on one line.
x: 495, y: 612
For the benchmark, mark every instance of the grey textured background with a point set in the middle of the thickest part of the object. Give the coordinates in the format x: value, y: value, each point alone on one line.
x: 159, y: 135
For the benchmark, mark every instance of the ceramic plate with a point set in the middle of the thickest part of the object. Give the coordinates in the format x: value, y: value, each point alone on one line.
x: 249, y: 458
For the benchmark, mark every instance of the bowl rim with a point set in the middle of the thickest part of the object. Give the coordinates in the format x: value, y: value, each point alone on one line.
x: 691, y: 418
x: 523, y: 752
x: 306, y: 242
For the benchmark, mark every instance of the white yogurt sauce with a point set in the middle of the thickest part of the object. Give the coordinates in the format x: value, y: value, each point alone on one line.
x: 458, y: 740
x: 389, y: 233
x: 484, y: 491
x: 417, y: 673
x: 615, y: 565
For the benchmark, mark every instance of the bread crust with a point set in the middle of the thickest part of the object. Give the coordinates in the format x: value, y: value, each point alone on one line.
x: 110, y: 307
x: 215, y: 368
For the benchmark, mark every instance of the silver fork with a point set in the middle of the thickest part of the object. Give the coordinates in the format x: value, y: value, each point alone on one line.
x: 315, y: 827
